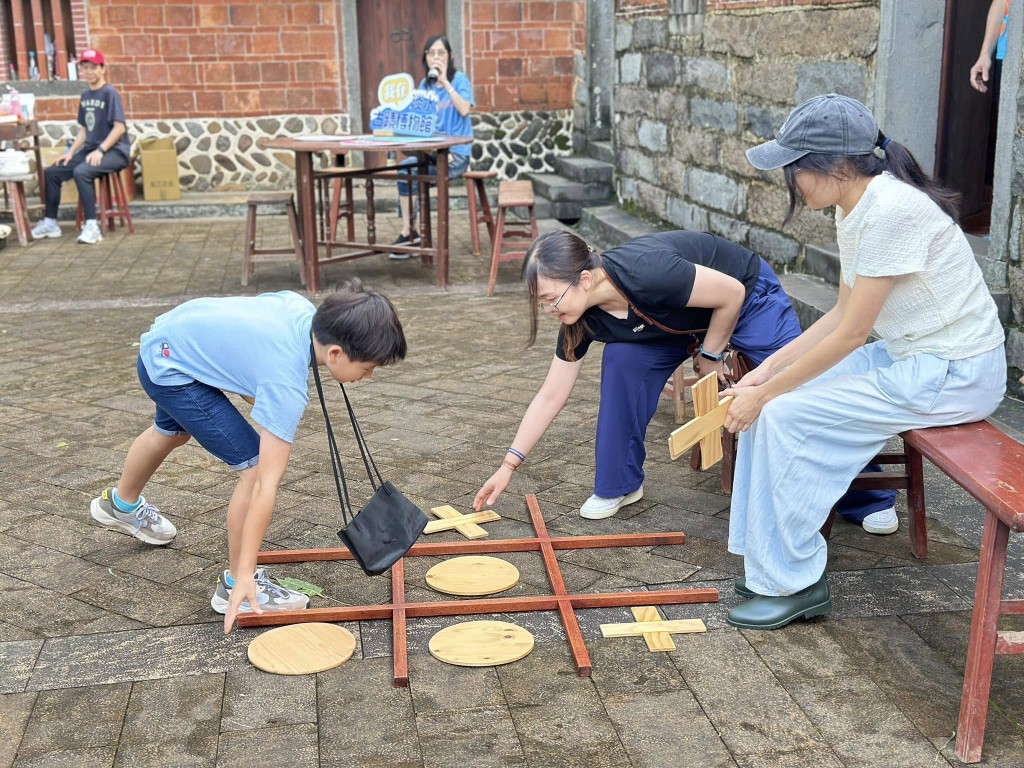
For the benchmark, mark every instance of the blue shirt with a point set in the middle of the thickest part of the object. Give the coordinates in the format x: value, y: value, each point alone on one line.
x: 449, y: 121
x: 252, y: 345
x: 97, y: 112
x: 1001, y: 43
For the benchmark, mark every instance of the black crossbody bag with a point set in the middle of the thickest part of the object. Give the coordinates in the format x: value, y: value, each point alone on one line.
x: 389, y: 524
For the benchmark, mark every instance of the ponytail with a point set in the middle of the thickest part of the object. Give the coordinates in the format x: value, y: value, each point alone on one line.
x: 561, y: 256
x: 888, y: 156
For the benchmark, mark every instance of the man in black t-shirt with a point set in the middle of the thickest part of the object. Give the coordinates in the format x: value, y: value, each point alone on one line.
x: 101, y: 147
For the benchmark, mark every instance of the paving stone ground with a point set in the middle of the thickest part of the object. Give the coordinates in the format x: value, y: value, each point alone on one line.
x: 110, y: 654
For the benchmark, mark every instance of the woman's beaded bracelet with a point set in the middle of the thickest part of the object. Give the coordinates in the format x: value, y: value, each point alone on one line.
x: 519, y: 455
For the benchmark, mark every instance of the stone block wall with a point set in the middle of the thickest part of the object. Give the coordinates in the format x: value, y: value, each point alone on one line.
x: 696, y: 87
x: 226, y: 154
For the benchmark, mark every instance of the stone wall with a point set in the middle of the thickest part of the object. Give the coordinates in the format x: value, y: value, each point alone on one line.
x: 225, y: 154
x: 694, y: 90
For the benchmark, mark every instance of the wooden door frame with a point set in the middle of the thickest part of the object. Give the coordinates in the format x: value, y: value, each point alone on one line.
x: 454, y: 27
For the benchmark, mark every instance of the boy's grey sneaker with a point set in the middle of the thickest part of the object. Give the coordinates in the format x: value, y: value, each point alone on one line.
x: 46, y: 229
x: 271, y: 596
x: 90, y: 234
x: 145, y: 523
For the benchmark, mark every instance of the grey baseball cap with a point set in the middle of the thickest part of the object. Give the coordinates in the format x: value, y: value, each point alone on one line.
x: 828, y: 125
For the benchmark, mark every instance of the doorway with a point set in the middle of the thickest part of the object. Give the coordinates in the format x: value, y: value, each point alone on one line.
x: 966, y: 132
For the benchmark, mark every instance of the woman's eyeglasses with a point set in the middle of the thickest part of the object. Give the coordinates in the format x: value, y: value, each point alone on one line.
x: 554, y: 307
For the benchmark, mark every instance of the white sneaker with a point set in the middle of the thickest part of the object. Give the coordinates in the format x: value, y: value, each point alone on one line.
x: 90, y: 234
x: 598, y: 507
x: 46, y: 229
x: 882, y: 522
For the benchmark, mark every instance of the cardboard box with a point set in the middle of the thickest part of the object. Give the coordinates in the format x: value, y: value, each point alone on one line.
x: 69, y: 191
x: 159, y: 169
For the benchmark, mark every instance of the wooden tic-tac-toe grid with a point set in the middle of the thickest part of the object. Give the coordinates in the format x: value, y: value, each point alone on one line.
x: 399, y: 610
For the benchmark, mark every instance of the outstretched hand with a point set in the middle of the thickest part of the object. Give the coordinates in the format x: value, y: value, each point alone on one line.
x: 492, y: 489
x: 244, y: 590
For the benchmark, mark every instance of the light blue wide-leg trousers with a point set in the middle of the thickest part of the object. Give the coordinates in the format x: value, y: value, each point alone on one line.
x: 800, y: 455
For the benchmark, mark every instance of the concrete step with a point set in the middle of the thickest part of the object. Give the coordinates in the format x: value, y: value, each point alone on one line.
x: 608, y: 226
x: 564, y: 210
x: 821, y: 260
x: 811, y: 296
x: 559, y: 188
x: 584, y: 169
x: 601, y: 150
x: 194, y: 205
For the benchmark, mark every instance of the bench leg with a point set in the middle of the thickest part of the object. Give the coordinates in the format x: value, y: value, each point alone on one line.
x: 970, y: 732
x: 250, y: 244
x: 485, y: 204
x: 678, y: 396
x: 915, y: 504
x: 293, y: 225
x: 474, y: 224
x: 496, y: 251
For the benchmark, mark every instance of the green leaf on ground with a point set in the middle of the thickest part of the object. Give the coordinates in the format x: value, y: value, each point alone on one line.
x: 298, y: 585
x: 135, y: 343
x: 62, y: 444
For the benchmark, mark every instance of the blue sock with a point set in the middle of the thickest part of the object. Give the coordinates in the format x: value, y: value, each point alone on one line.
x: 124, y: 506
x: 228, y: 580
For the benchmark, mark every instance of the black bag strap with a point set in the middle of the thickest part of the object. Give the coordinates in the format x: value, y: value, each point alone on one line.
x: 332, y: 444
x: 364, y: 449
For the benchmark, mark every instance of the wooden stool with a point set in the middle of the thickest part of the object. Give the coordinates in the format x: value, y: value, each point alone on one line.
x: 332, y: 206
x: 14, y: 190
x: 511, y: 194
x: 252, y: 254
x: 111, y: 193
x: 479, y: 206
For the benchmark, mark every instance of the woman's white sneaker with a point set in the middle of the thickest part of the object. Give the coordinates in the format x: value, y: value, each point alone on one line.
x: 882, y: 522
x: 598, y: 507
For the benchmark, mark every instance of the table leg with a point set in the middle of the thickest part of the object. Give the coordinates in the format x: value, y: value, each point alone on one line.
x: 371, y: 223
x: 40, y: 176
x: 425, y: 235
x: 305, y: 200
x: 442, y: 218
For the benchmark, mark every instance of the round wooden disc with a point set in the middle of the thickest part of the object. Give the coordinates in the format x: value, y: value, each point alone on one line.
x: 302, y: 649
x: 473, y: 575
x: 481, y: 644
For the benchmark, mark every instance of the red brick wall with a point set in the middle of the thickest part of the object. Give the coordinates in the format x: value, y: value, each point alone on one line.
x: 206, y: 58
x: 174, y: 58
x: 522, y: 52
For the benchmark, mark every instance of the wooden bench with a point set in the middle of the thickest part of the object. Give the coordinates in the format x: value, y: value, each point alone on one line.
x: 989, y: 465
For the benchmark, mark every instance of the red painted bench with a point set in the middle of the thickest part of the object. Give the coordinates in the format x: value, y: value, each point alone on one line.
x: 989, y: 465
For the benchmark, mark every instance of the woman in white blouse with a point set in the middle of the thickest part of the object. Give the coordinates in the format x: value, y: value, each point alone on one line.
x: 815, y: 412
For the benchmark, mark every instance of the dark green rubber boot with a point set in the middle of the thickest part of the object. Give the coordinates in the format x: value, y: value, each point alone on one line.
x: 763, y: 612
x: 741, y: 588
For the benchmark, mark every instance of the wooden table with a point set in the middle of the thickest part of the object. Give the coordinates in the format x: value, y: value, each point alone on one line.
x: 24, y: 129
x: 306, y: 199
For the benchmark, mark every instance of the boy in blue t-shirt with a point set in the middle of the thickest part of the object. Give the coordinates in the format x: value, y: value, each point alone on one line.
x: 101, y: 147
x: 258, y: 347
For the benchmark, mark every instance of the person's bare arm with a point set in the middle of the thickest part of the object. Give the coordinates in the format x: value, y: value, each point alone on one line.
x: 724, y: 296
x: 546, y: 405
x: 982, y: 67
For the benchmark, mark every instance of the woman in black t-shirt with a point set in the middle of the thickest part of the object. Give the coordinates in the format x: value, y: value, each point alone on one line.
x: 637, y: 298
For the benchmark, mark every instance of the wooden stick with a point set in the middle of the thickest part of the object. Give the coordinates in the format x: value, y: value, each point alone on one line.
x: 464, y: 524
x: 644, y: 627
x: 656, y: 641
x: 693, y: 431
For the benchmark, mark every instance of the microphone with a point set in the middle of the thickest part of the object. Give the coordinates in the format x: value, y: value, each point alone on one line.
x: 432, y: 74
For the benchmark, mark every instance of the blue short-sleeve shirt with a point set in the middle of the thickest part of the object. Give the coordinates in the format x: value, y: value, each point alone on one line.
x: 449, y: 121
x: 252, y: 345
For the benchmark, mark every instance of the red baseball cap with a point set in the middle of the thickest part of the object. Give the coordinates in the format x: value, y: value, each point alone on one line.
x: 92, y: 56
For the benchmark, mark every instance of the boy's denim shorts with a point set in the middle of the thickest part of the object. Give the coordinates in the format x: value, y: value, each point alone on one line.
x: 206, y: 414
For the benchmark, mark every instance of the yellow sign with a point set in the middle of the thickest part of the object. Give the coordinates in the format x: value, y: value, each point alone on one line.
x: 395, y: 91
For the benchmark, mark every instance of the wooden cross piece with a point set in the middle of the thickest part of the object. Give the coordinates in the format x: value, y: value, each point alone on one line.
x: 464, y: 524
x: 706, y: 427
x: 657, y: 632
